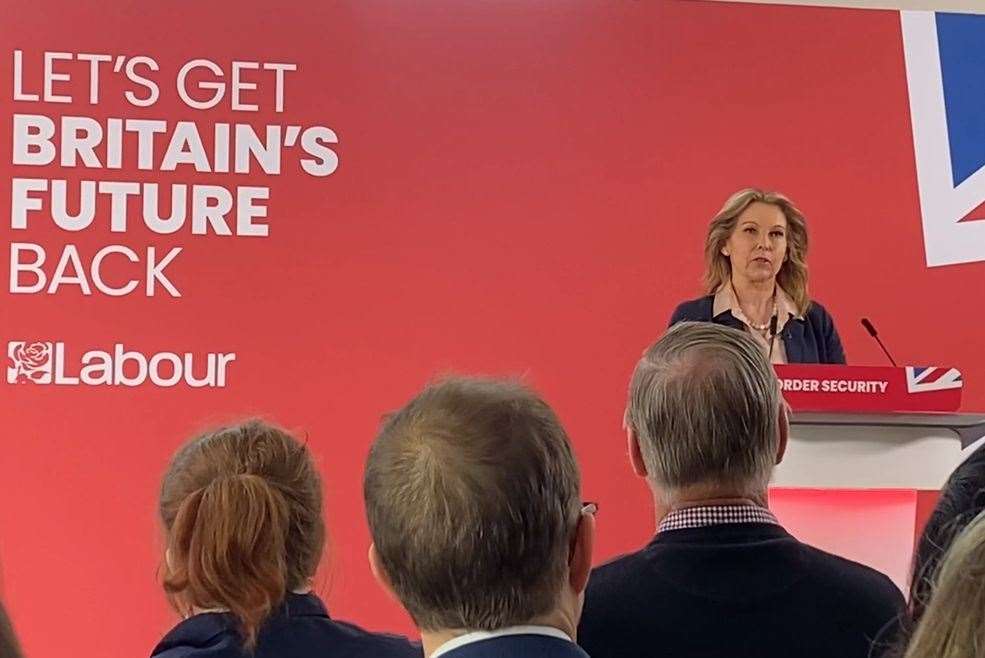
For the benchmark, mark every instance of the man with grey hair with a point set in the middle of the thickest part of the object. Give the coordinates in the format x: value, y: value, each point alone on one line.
x: 705, y: 427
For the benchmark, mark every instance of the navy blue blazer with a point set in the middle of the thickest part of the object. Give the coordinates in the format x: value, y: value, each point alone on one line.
x: 518, y: 646
x: 301, y: 628
x: 741, y: 590
x: 812, y: 339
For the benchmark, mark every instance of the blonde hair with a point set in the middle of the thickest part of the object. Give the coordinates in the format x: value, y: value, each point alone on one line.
x: 951, y: 626
x: 792, y: 276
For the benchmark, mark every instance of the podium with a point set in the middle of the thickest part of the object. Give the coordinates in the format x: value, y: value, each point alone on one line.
x: 869, y: 450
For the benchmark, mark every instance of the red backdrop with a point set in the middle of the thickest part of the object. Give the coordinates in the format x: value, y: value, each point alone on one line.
x: 523, y: 189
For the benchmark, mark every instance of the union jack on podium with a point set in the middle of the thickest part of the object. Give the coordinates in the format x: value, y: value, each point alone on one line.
x: 930, y: 378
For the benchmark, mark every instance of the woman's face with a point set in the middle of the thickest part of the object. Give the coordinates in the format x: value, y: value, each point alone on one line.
x: 758, y: 244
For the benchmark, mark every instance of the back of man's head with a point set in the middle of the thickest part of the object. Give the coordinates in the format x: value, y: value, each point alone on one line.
x: 703, y: 406
x: 472, y: 495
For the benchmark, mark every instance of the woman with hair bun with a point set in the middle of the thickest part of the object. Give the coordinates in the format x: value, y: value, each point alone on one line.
x: 242, y: 513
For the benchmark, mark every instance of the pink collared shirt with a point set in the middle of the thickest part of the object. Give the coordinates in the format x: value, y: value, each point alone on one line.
x: 725, y: 301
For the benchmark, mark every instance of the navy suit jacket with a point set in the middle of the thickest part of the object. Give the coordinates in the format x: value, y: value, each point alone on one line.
x: 812, y: 339
x: 518, y: 646
x: 743, y: 590
x: 300, y: 628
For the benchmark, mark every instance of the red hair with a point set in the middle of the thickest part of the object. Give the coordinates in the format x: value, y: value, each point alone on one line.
x: 241, y: 507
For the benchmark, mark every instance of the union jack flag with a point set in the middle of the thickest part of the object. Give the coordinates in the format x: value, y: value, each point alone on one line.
x: 930, y: 378
x: 945, y: 70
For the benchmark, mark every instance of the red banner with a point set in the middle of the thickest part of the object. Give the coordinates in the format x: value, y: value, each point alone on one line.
x: 870, y: 389
x: 307, y: 210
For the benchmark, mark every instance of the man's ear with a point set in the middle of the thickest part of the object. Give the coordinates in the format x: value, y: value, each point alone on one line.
x: 580, y: 562
x: 380, y: 574
x: 783, y: 426
x: 635, y: 455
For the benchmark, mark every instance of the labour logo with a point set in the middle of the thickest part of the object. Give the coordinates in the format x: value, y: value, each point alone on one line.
x: 56, y: 363
x: 29, y: 362
x: 945, y: 72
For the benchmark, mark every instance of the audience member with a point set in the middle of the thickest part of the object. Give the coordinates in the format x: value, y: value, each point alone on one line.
x: 9, y: 647
x: 722, y: 578
x: 472, y: 495
x: 951, y: 624
x: 242, y: 510
x: 961, y: 500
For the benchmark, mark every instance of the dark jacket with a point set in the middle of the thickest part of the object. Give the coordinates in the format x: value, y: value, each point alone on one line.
x: 301, y: 628
x: 745, y: 590
x: 813, y: 339
x: 518, y: 646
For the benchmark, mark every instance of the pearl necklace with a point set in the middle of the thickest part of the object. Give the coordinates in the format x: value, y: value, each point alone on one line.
x: 758, y: 327
x: 765, y: 327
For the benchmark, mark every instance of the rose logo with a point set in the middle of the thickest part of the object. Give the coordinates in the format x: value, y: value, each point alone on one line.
x: 31, y: 362
x: 34, y: 356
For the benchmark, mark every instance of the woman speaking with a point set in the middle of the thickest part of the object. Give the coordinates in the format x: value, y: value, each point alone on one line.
x: 756, y: 280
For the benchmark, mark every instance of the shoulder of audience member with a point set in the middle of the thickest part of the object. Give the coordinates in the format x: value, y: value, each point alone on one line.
x: 864, y: 584
x: 388, y: 644
x: 615, y: 589
x: 616, y: 574
x: 210, y: 635
x: 216, y: 638
x: 188, y: 651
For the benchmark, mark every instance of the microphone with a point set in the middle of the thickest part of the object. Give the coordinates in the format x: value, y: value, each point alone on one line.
x: 772, y: 335
x: 872, y: 332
